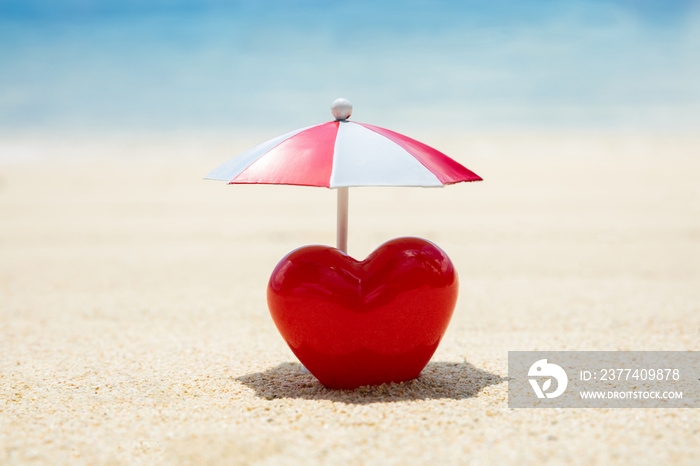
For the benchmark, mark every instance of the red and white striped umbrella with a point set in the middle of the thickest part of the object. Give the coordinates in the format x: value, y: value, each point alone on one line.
x: 342, y: 154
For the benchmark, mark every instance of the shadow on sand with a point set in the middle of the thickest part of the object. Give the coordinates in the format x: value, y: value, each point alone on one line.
x: 439, y: 380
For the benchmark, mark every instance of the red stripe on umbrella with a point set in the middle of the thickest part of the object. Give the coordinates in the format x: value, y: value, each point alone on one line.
x: 305, y: 159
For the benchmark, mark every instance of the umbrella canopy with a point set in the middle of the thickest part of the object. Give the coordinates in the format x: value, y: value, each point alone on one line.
x: 341, y: 154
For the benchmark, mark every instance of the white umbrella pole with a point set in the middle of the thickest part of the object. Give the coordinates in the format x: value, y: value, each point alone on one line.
x: 342, y: 238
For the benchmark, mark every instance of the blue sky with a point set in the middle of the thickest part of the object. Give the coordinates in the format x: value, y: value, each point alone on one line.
x: 189, y: 65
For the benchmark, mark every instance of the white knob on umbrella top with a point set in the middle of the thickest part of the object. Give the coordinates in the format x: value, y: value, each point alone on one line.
x: 341, y: 109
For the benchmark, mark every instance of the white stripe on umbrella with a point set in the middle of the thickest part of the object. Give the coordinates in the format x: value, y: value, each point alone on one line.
x: 363, y: 157
x: 232, y: 168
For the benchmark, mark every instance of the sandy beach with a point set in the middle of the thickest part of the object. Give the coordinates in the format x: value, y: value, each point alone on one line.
x: 134, y: 327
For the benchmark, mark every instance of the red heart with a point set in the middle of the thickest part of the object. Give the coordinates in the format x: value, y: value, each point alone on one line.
x: 355, y: 323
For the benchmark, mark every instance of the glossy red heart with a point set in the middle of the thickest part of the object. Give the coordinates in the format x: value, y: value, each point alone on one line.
x: 354, y: 323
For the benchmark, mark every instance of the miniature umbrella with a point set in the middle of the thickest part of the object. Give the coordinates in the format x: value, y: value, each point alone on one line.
x: 341, y: 154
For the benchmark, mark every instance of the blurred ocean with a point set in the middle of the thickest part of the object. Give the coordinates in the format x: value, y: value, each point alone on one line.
x: 81, y: 65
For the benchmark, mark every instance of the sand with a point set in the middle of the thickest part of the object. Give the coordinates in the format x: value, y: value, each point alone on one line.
x: 134, y: 329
